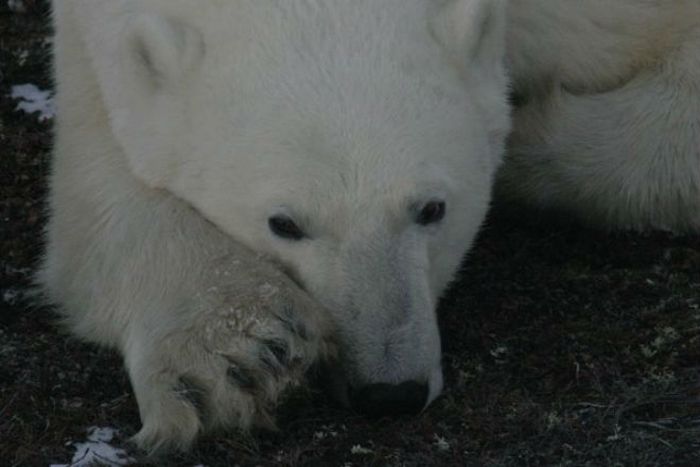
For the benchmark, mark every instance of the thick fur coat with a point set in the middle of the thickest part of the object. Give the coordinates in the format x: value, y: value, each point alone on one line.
x: 241, y: 188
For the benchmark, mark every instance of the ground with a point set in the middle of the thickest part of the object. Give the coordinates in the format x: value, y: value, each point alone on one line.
x: 563, y: 346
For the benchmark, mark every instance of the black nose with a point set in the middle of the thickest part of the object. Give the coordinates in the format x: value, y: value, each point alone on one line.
x: 376, y: 400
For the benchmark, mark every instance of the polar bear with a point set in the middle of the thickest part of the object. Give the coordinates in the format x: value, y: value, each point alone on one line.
x: 608, y: 121
x: 243, y: 187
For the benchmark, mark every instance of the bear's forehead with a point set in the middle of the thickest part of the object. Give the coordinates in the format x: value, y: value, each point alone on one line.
x: 314, y: 24
x: 344, y: 193
x: 351, y: 156
x: 322, y: 43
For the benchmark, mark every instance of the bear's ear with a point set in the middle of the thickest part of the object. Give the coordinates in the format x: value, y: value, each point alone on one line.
x: 473, y: 32
x: 163, y: 51
x: 143, y: 62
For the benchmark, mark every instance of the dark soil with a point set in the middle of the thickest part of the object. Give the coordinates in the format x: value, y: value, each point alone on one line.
x: 562, y: 346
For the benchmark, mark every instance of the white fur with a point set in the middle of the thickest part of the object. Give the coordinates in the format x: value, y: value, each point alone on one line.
x: 610, y: 126
x: 183, y: 126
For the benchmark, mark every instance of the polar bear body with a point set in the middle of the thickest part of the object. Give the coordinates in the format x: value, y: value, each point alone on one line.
x: 609, y: 126
x: 243, y: 187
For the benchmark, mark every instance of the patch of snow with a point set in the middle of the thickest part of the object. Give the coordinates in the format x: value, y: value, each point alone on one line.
x: 32, y: 99
x: 22, y: 57
x: 500, y: 354
x: 97, y: 451
x: 328, y: 431
x: 360, y: 450
x: 441, y: 443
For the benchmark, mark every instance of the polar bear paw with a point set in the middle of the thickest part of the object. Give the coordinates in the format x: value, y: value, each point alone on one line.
x: 227, y: 358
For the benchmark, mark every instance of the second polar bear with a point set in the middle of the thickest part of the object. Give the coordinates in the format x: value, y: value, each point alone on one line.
x: 608, y: 121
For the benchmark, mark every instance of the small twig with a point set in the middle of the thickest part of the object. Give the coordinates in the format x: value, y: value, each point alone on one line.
x: 660, y: 426
x: 594, y: 405
x: 9, y: 403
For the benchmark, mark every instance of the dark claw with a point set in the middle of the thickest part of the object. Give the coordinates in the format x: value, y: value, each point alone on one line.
x: 275, y: 355
x: 241, y: 377
x: 279, y: 349
x: 293, y: 324
x: 190, y: 391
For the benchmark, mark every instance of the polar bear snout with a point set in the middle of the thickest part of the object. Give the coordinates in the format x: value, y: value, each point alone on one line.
x: 379, y: 399
x: 399, y: 374
x: 375, y: 288
x: 405, y: 398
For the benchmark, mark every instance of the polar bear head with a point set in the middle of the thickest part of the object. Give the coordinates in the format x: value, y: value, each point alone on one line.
x: 355, y: 142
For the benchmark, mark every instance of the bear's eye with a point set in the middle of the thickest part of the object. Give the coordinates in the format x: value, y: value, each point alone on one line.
x: 432, y: 213
x: 284, y: 227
